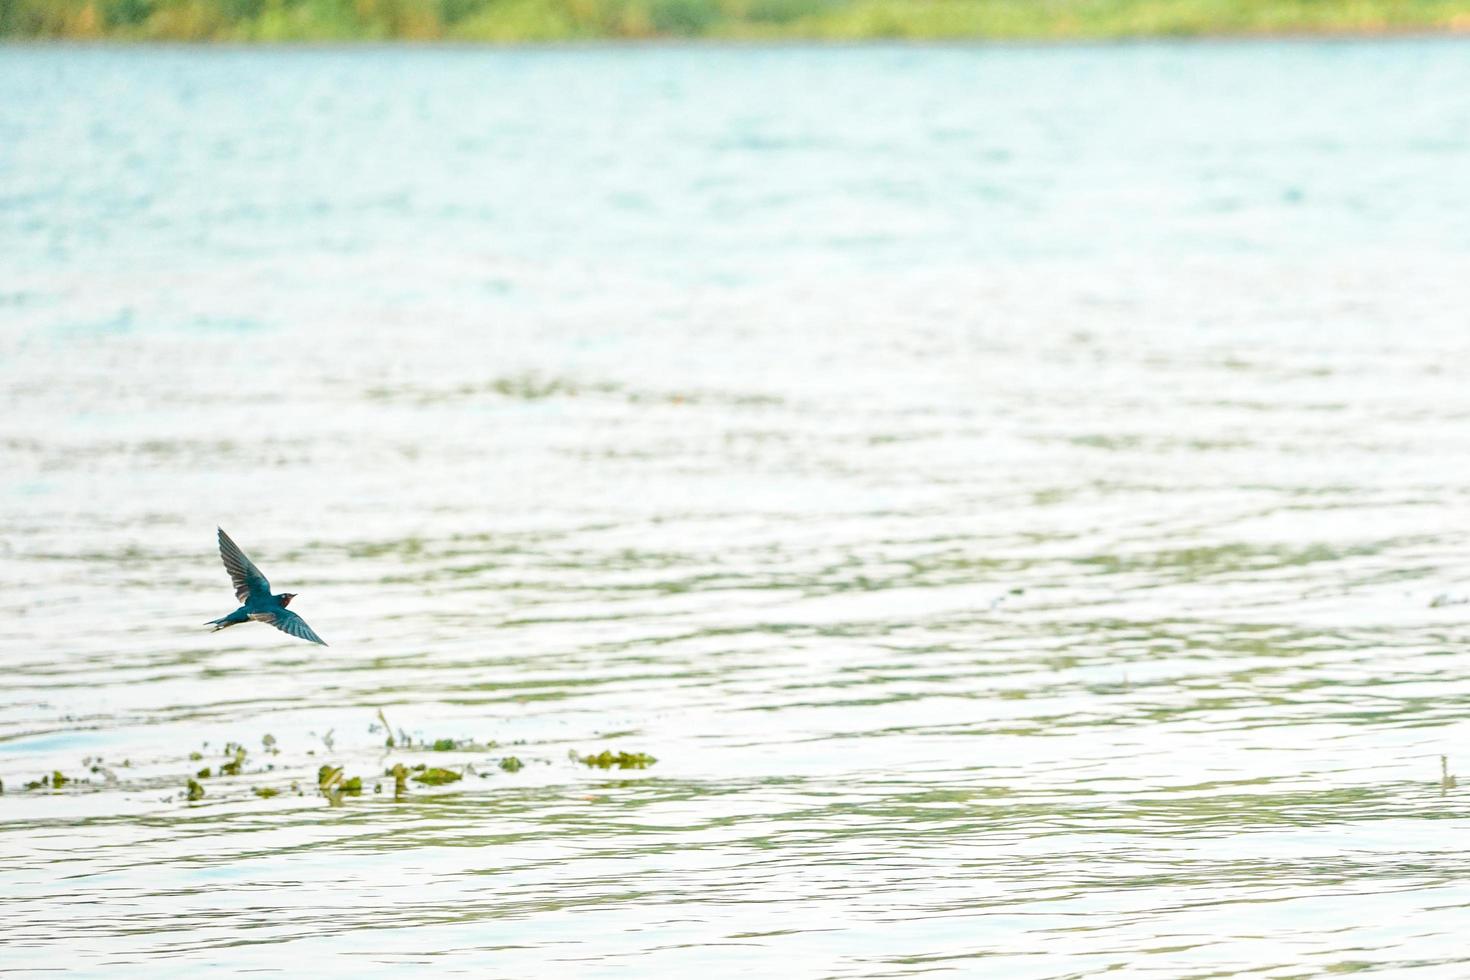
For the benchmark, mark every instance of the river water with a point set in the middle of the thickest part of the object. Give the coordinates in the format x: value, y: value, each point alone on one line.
x: 1019, y: 495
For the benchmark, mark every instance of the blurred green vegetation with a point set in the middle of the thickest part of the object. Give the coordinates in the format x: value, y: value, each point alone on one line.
x: 565, y: 20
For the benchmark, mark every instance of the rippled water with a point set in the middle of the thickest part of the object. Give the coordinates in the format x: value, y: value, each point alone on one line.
x: 1021, y: 497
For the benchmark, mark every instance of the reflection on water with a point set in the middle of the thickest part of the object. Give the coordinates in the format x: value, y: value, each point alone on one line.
x: 1018, y: 495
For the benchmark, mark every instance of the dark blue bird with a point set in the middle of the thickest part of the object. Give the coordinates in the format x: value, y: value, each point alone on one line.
x: 254, y: 592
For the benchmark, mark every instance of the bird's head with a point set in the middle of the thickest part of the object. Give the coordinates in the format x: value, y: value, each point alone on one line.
x: 286, y: 598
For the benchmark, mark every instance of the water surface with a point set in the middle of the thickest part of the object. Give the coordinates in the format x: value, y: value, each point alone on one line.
x: 1019, y: 496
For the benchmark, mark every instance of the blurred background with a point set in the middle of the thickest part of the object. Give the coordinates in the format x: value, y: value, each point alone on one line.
x: 570, y: 20
x: 1006, y: 503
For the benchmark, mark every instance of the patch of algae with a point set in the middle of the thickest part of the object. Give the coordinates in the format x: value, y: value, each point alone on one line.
x: 437, y: 776
x: 607, y: 759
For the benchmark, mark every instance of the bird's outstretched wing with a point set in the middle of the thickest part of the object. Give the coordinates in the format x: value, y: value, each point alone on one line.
x: 288, y: 622
x: 249, y: 583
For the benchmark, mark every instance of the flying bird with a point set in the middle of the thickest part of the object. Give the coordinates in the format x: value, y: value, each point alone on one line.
x: 254, y: 592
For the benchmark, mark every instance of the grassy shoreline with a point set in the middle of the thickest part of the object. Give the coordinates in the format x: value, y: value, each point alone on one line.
x: 516, y: 21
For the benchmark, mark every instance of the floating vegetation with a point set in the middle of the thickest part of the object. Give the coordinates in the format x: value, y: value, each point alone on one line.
x: 236, y: 754
x: 606, y: 759
x: 56, y: 779
x: 211, y: 761
x: 450, y: 745
x: 327, y: 778
x: 334, y: 786
x: 405, y: 741
x: 436, y: 777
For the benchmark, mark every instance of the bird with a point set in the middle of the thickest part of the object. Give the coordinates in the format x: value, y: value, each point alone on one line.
x: 254, y: 593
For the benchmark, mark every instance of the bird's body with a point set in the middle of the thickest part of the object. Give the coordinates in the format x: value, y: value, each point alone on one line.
x: 254, y: 594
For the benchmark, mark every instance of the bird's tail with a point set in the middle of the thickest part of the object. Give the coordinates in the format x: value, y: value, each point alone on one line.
x: 220, y: 624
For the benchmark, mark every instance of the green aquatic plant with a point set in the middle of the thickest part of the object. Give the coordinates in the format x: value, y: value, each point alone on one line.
x: 265, y: 792
x: 203, y: 773
x: 194, y: 791
x: 400, y: 778
x: 404, y: 741
x: 436, y: 777
x: 329, y: 779
x: 457, y: 745
x: 511, y: 764
x: 386, y: 727
x: 607, y: 759
x: 236, y: 753
x: 54, y: 781
x: 333, y: 785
